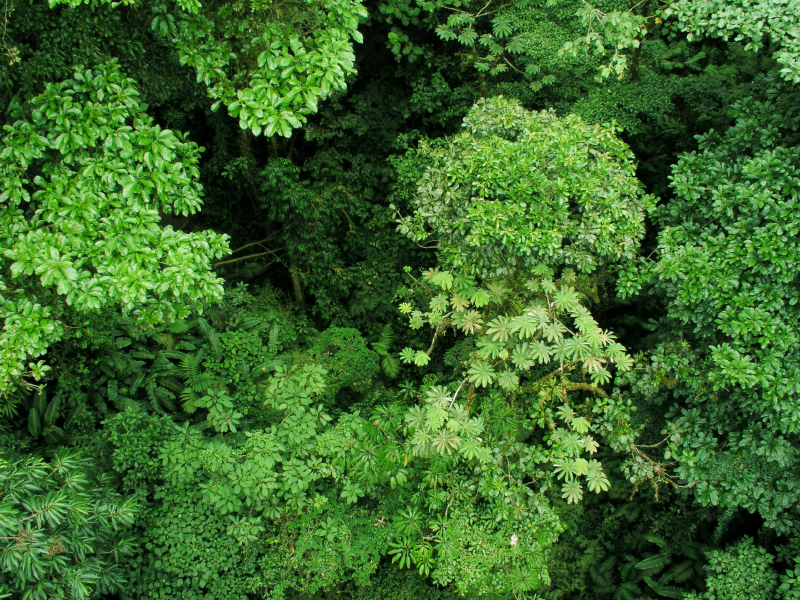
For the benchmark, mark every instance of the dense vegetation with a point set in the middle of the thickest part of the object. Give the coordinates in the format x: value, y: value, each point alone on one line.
x: 400, y: 299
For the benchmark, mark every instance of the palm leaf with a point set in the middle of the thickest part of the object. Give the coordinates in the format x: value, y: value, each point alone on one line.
x: 657, y: 561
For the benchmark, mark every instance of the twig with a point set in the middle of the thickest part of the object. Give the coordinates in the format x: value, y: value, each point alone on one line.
x: 233, y: 260
x: 253, y: 243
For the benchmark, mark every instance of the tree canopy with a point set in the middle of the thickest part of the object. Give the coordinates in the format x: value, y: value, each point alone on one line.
x: 403, y: 299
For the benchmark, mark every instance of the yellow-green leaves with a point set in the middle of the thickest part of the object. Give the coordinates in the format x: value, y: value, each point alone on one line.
x: 482, y: 374
x: 517, y: 327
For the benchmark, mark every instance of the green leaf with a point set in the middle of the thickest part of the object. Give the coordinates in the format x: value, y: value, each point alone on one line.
x: 572, y: 491
x: 481, y: 374
x: 53, y: 434
x: 40, y: 401
x: 480, y: 298
x: 443, y: 279
x: 51, y: 414
x: 656, y: 561
x: 34, y: 423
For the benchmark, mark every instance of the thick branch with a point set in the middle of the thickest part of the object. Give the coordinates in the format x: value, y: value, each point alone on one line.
x: 588, y: 388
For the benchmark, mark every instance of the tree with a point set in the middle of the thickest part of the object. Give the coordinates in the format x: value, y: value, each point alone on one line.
x: 749, y: 22
x: 269, y: 63
x: 518, y: 189
x: 726, y: 269
x: 86, y: 177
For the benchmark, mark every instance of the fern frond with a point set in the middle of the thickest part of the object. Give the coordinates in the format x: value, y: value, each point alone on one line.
x: 137, y: 381
x: 666, y: 591
x: 371, y: 302
x: 211, y: 336
x: 604, y: 589
x: 654, y: 563
x: 390, y: 366
x: 628, y: 591
x: 190, y: 365
x: 179, y: 327
x: 358, y: 307
x: 167, y: 340
x: 188, y: 399
x: 658, y: 541
x: 202, y: 383
x: 386, y: 339
x: 680, y: 573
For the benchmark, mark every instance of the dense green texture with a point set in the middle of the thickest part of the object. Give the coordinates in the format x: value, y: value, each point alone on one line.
x: 486, y: 300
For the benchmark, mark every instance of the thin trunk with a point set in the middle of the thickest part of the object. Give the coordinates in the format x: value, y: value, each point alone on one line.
x: 298, y: 288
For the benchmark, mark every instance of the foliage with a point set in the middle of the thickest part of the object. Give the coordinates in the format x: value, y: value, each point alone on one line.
x: 346, y: 359
x: 741, y: 571
x: 292, y: 438
x: 295, y: 56
x: 185, y: 550
x: 749, y: 22
x: 727, y: 239
x: 62, y: 525
x: 92, y: 172
x: 518, y: 188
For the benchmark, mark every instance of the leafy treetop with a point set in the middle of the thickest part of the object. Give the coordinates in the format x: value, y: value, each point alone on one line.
x: 269, y: 62
x: 518, y: 189
x: 86, y: 177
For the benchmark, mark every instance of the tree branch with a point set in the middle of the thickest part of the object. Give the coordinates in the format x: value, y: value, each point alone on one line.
x: 233, y: 260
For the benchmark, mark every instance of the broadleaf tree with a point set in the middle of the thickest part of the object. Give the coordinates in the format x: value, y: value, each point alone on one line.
x: 87, y: 176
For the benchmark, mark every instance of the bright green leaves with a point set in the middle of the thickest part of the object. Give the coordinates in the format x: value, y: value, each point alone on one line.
x: 567, y: 446
x: 535, y: 323
x: 445, y: 441
x: 572, y: 492
x: 518, y: 328
x: 482, y: 374
x: 94, y: 234
x: 480, y: 298
x: 296, y: 56
x: 418, y: 357
x: 443, y: 279
x: 270, y: 64
x: 611, y: 36
x: 596, y: 480
x: 221, y: 414
x: 519, y: 188
x: 499, y: 328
